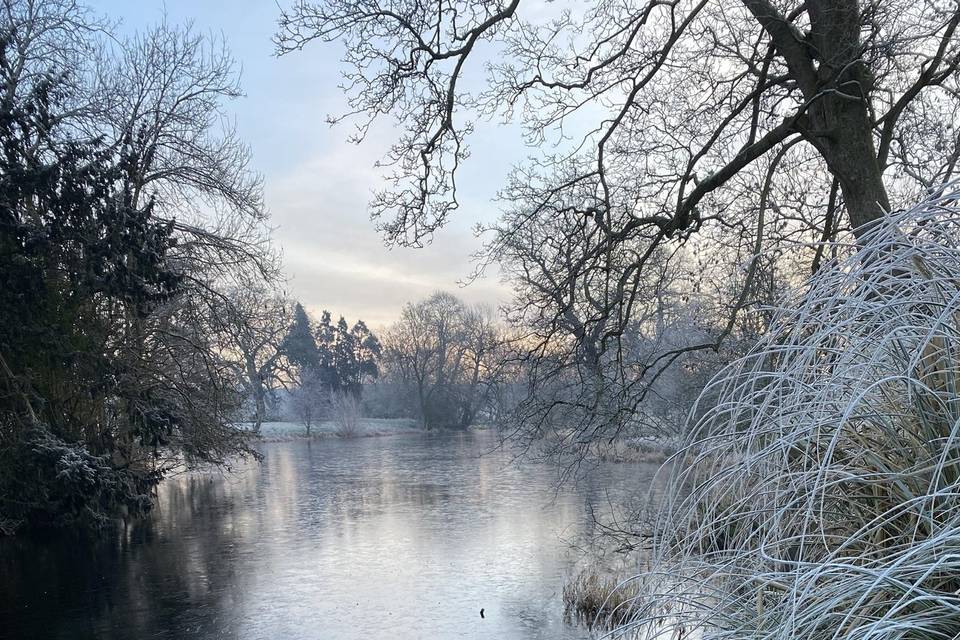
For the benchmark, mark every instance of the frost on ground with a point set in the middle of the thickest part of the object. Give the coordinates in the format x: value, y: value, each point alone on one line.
x: 819, y: 497
x: 283, y: 431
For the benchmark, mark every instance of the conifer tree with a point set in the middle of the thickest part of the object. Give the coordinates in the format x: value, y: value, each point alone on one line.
x: 300, y: 345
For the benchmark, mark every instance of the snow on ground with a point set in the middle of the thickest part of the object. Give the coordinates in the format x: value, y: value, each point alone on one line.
x: 281, y: 431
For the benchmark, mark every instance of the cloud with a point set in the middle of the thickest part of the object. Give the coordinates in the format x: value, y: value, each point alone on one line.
x: 335, y: 258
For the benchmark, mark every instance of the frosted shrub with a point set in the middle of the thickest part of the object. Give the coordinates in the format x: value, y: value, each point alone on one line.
x: 819, y: 497
x: 346, y: 414
x: 48, y: 483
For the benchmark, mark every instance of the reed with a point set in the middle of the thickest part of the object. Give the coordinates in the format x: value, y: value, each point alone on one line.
x: 599, y: 601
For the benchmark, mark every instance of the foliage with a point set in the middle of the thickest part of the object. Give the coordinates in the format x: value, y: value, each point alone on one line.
x: 341, y: 358
x: 348, y: 357
x: 82, y: 264
x: 299, y: 345
x: 818, y: 494
x: 48, y: 483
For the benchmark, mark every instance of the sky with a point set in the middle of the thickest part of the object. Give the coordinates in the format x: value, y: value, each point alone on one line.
x: 317, y: 185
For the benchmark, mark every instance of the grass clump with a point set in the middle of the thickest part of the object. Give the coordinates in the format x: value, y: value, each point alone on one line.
x: 819, y: 497
x: 599, y: 601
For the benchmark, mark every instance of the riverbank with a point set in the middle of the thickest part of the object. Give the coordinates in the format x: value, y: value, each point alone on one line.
x: 366, y: 428
x: 638, y: 450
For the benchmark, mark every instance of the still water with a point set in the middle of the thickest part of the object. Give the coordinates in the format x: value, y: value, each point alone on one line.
x: 398, y: 537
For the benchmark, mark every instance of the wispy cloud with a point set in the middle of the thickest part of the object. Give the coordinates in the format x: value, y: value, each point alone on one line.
x: 338, y: 261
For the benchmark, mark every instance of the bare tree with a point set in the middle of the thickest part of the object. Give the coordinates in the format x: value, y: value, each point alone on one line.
x: 673, y: 143
x: 168, y: 87
x: 166, y: 90
x: 253, y: 322
x: 58, y: 37
x: 482, y: 338
x: 421, y: 351
x: 309, y: 400
x: 699, y: 89
x: 190, y: 386
x: 442, y: 349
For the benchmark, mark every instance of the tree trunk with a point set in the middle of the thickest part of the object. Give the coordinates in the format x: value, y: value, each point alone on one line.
x: 261, y: 408
x: 421, y: 396
x: 259, y: 394
x: 848, y: 148
x: 857, y: 169
x: 839, y: 121
x: 467, y: 414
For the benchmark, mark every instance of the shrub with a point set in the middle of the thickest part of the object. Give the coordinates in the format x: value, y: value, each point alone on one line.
x: 47, y: 483
x: 346, y: 414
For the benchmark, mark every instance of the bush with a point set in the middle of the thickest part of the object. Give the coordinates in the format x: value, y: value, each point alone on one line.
x: 346, y: 414
x: 820, y: 497
x: 47, y: 483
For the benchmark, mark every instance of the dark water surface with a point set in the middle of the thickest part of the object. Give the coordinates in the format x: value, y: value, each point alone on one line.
x: 396, y: 538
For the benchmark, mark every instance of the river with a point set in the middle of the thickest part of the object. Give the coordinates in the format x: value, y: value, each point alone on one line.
x: 400, y: 537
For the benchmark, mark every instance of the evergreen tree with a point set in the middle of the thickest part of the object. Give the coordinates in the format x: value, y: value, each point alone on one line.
x: 347, y: 356
x: 367, y: 352
x: 326, y: 341
x: 339, y: 358
x: 344, y: 360
x: 84, y: 269
x: 300, y: 346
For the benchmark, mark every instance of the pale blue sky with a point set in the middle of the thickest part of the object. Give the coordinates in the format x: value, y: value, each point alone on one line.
x: 318, y: 185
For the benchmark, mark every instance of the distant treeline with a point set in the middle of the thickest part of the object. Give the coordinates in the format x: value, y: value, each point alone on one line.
x: 439, y: 363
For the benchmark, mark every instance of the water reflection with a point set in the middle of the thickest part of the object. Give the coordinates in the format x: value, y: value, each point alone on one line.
x: 404, y: 537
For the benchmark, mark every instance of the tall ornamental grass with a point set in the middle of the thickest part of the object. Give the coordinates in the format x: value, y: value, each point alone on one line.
x: 819, y: 497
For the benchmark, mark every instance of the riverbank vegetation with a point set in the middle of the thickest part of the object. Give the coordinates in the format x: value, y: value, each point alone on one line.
x: 127, y: 212
x: 598, y: 600
x: 835, y: 507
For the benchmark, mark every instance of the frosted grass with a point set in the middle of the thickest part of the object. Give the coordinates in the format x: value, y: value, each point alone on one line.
x: 819, y: 497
